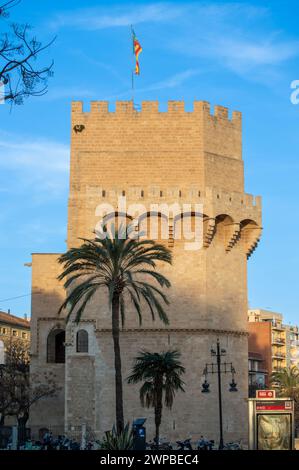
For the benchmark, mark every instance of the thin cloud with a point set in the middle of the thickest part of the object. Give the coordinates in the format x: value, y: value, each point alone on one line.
x: 172, y: 81
x: 42, y: 155
x: 39, y: 164
x: 60, y: 93
x: 38, y: 232
x: 258, y: 52
x: 235, y: 36
x: 239, y: 54
x: 91, y: 19
x: 107, y: 67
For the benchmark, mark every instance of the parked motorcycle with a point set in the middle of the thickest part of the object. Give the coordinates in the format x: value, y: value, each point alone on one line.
x: 185, y: 445
x: 233, y: 445
x: 162, y: 445
x: 205, y: 444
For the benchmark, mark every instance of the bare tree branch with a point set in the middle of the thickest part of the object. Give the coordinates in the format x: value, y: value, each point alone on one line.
x: 19, y: 72
x: 4, y: 13
x: 19, y: 389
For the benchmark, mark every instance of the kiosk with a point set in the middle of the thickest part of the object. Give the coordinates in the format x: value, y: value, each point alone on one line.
x: 271, y: 422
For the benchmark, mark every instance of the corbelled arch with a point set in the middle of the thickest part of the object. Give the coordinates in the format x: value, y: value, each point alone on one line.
x: 250, y: 234
x: 188, y: 226
x: 113, y: 221
x: 154, y: 225
x: 227, y: 231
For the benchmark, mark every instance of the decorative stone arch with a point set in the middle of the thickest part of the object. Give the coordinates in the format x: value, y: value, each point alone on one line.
x: 227, y: 231
x: 82, y: 341
x: 112, y: 221
x: 186, y: 224
x: 56, y: 346
x: 117, y: 217
x: 250, y: 234
x: 154, y: 225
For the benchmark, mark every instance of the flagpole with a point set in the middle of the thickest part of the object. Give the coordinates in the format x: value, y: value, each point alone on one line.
x: 133, y: 88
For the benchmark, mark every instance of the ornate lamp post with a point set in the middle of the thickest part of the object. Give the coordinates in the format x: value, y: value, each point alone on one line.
x: 219, y: 368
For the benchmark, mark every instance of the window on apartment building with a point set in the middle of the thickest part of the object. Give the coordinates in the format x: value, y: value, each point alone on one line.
x: 56, y: 346
x: 253, y: 365
x: 24, y: 335
x: 4, y: 331
x: 14, y: 333
x: 82, y: 341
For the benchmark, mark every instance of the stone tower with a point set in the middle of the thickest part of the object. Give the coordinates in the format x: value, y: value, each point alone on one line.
x: 151, y: 157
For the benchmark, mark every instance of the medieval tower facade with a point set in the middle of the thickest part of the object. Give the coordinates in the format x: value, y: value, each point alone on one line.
x: 151, y: 157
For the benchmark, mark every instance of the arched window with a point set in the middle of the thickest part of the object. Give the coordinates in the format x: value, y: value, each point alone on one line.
x: 82, y: 341
x: 56, y: 347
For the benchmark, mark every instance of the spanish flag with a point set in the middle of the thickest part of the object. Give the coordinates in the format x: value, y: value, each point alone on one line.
x: 136, y: 51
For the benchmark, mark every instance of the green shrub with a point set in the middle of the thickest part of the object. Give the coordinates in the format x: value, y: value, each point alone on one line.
x: 122, y: 441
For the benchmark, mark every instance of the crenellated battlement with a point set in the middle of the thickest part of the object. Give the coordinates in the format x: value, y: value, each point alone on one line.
x: 126, y: 108
x: 210, y: 195
x: 110, y: 126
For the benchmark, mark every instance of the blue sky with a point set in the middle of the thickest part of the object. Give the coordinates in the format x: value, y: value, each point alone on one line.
x: 241, y: 55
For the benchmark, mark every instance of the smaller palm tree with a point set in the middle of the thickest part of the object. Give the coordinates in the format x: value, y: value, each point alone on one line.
x: 287, y: 382
x: 161, y: 374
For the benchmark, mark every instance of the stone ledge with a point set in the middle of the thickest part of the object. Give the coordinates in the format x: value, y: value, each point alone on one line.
x: 176, y: 330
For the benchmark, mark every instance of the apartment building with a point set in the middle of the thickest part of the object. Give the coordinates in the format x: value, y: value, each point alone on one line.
x: 276, y: 344
x: 12, y: 326
x: 292, y: 345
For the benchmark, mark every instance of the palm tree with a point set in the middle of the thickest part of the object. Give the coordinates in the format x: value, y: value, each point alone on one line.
x: 287, y: 382
x: 161, y: 374
x: 121, y: 265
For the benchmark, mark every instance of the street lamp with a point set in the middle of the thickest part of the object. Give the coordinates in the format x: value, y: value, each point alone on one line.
x: 233, y: 385
x: 219, y: 368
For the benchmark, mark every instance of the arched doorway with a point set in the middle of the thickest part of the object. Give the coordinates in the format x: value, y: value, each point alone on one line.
x: 56, y: 346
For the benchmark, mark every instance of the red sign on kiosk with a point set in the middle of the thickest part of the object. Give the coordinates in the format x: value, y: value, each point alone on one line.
x: 268, y: 394
x: 273, y: 405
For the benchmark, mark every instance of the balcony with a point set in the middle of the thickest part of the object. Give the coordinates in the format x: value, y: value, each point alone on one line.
x: 277, y: 327
x: 257, y: 372
x: 278, y: 355
x: 279, y: 341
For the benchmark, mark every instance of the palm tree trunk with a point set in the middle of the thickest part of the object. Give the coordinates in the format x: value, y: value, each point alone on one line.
x: 158, y: 417
x: 117, y: 365
x: 22, y: 420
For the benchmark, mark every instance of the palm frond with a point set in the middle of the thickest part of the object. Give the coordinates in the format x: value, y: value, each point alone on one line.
x: 77, y: 295
x: 115, y: 263
x: 160, y: 373
x: 147, y: 395
x: 136, y: 304
x: 162, y: 280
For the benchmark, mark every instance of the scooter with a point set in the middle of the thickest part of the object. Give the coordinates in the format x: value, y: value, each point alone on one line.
x: 185, y: 445
x: 205, y: 444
